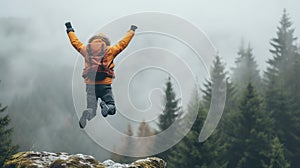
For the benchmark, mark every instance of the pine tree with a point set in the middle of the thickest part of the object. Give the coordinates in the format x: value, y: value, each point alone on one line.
x: 218, y: 74
x: 144, y: 130
x: 277, y: 157
x: 224, y: 127
x: 250, y: 133
x: 6, y: 146
x: 171, y: 108
x: 283, y: 89
x: 170, y: 114
x: 145, y: 145
x: 245, y: 70
x: 284, y: 48
x: 126, y: 148
x: 189, y: 152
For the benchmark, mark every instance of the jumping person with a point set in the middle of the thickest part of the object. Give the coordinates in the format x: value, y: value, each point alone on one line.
x: 98, y: 72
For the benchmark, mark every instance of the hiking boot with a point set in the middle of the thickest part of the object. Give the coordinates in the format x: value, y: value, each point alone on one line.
x: 104, y: 109
x: 85, y: 115
x: 112, y: 109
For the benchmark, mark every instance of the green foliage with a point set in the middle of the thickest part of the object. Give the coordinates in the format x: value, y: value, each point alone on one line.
x: 254, y: 132
x: 245, y: 70
x: 248, y: 134
x: 217, y: 74
x: 190, y: 153
x: 6, y: 146
x: 171, y: 109
x: 245, y: 134
x: 282, y: 85
x: 170, y: 113
x: 277, y: 157
x: 225, y: 125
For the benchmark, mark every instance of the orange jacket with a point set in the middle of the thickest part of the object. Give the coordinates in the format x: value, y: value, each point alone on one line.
x: 111, y: 52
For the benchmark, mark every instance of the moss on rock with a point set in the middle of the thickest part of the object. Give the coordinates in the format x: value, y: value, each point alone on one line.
x: 150, y: 163
x: 63, y: 160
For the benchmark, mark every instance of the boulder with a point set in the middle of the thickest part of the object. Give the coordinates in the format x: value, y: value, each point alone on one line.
x: 33, y: 159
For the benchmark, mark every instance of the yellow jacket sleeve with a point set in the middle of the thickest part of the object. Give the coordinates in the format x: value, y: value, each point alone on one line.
x: 78, y: 45
x: 122, y: 44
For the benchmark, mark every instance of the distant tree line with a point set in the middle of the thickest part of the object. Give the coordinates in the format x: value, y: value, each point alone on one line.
x: 261, y: 119
x: 7, y: 148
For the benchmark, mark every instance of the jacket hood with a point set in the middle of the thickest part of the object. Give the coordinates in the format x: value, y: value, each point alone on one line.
x: 102, y: 37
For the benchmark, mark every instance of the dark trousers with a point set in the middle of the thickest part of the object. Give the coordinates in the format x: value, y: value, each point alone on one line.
x: 94, y: 92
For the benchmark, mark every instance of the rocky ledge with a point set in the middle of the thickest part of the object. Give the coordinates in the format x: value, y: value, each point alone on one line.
x: 32, y: 159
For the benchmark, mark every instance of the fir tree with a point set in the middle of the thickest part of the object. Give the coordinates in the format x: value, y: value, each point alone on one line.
x: 224, y: 127
x: 245, y: 70
x: 170, y: 113
x: 250, y: 134
x: 144, y: 130
x: 283, y: 89
x: 284, y: 48
x: 277, y: 157
x: 218, y: 74
x: 189, y: 152
x: 144, y: 146
x: 171, y: 108
x: 126, y: 148
x: 6, y: 146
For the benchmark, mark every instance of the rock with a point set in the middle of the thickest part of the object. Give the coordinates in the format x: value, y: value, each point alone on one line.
x: 32, y: 159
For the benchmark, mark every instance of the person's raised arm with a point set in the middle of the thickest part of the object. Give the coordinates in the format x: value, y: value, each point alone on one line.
x: 122, y: 44
x: 76, y: 43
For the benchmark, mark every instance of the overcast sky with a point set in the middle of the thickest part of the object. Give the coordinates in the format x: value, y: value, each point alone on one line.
x: 224, y: 22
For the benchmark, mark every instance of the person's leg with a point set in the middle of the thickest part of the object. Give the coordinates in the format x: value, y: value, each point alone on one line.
x: 108, y: 103
x: 92, y: 100
x: 90, y: 112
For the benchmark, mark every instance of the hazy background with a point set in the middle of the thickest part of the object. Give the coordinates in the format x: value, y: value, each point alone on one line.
x: 36, y: 59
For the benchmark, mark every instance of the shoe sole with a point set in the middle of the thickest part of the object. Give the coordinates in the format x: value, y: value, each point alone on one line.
x: 104, y: 112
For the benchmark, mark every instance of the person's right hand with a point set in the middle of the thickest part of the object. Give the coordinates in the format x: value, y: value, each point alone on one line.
x: 133, y: 27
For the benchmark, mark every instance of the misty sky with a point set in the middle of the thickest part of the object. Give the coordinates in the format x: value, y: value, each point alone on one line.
x: 225, y: 22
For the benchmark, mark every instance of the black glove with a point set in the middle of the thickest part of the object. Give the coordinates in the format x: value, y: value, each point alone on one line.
x: 69, y: 27
x: 133, y: 27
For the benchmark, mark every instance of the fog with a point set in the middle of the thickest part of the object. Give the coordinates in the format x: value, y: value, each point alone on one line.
x: 229, y: 21
x: 37, y: 61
